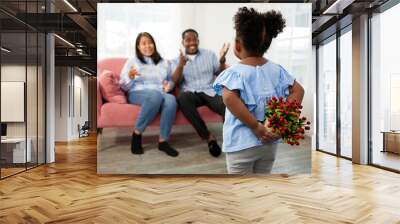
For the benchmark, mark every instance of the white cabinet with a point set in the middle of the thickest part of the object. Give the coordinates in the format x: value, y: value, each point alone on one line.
x: 17, y: 147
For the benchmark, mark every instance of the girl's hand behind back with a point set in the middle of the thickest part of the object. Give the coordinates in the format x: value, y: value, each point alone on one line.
x: 263, y: 134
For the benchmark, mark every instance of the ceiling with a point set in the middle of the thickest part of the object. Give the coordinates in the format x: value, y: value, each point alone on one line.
x: 75, y: 21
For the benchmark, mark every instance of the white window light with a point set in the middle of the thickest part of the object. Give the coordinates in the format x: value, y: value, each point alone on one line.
x: 86, y: 72
x: 5, y: 50
x: 70, y: 5
x: 337, y: 7
x: 64, y: 40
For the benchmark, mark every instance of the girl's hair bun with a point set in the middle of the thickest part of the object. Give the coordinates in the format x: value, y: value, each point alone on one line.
x: 274, y: 23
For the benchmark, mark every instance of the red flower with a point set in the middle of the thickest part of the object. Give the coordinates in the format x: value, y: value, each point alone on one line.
x: 284, y: 118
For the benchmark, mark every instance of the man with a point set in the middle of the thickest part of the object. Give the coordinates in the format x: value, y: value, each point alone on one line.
x: 196, y: 71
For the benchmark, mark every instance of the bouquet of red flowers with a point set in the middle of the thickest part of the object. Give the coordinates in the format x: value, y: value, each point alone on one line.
x: 283, y: 118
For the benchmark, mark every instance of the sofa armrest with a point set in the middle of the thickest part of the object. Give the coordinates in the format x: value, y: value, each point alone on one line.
x: 99, y: 100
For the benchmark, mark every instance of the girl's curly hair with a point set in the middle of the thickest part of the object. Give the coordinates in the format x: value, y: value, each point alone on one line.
x: 256, y: 30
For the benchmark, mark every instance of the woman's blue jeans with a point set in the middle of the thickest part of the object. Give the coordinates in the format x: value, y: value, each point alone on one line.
x: 152, y: 102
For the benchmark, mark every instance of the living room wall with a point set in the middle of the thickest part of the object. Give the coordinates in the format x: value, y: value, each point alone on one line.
x: 71, y: 102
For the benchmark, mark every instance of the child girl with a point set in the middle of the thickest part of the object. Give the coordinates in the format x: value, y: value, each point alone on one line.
x: 247, y: 86
x: 147, y: 79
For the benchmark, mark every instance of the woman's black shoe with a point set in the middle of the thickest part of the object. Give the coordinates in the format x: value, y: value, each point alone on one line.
x: 164, y: 146
x: 136, y: 144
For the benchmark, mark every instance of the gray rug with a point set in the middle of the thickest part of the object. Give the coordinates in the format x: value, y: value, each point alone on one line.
x: 114, y: 155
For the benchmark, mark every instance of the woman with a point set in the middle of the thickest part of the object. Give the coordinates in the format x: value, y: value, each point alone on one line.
x: 147, y: 79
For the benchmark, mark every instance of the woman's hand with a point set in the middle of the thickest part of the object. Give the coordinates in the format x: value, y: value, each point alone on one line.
x: 133, y: 73
x: 167, y: 86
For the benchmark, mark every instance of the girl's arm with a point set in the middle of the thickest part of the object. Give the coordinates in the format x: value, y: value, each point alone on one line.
x: 296, y: 93
x: 236, y: 106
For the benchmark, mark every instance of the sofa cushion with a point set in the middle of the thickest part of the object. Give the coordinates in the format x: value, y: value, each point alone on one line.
x: 112, y: 64
x: 125, y: 115
x: 110, y: 89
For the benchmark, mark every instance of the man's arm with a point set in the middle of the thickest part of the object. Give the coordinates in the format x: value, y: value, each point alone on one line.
x: 177, y: 75
x: 222, y: 67
x: 222, y: 58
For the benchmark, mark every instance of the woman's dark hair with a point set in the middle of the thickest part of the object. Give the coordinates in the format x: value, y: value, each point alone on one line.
x: 155, y: 56
x: 256, y: 30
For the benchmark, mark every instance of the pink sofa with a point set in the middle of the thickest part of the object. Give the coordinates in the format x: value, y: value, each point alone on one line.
x: 124, y: 115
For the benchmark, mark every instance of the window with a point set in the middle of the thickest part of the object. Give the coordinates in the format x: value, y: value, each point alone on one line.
x: 327, y: 97
x: 23, y: 74
x: 385, y: 89
x: 346, y: 94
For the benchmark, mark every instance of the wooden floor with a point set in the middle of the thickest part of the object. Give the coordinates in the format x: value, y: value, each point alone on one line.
x: 10, y: 171
x: 387, y: 159
x: 70, y: 191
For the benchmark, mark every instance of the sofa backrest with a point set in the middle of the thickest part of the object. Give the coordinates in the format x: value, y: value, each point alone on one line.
x: 112, y: 64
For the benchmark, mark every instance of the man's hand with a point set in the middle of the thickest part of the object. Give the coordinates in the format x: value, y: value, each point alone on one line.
x: 182, y: 59
x: 133, y: 73
x: 223, y: 52
x: 177, y: 75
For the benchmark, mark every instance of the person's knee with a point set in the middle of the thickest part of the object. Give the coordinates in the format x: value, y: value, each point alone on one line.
x: 155, y: 97
x: 222, y: 112
x: 222, y: 107
x: 170, y: 101
x: 184, y: 99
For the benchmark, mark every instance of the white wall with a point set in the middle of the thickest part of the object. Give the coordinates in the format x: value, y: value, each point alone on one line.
x: 79, y: 117
x: 61, y: 103
x: 314, y: 99
x: 69, y: 82
x: 17, y: 73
